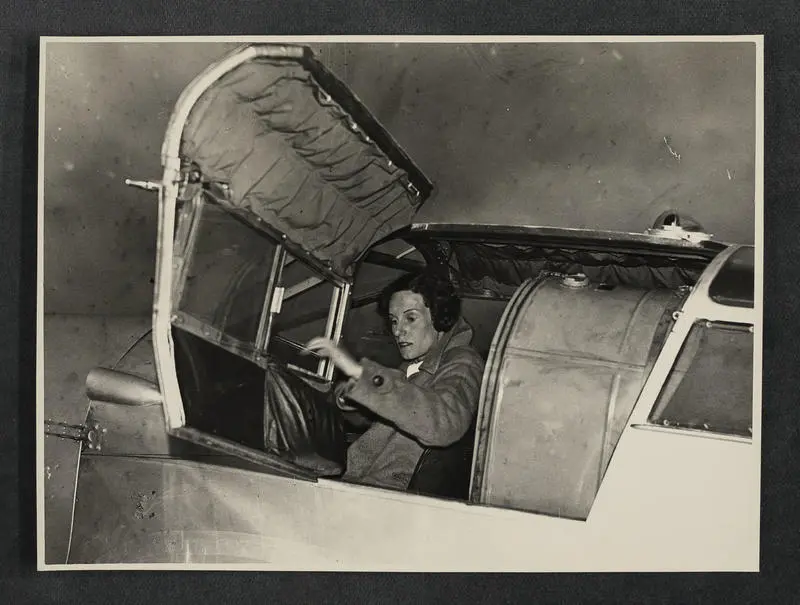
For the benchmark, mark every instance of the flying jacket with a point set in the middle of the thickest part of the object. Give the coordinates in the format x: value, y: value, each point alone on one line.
x: 434, y: 407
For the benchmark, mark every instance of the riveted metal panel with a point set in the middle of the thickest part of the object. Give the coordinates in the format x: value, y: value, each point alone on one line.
x: 563, y: 381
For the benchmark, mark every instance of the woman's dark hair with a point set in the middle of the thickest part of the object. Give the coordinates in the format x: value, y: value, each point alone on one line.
x: 437, y: 292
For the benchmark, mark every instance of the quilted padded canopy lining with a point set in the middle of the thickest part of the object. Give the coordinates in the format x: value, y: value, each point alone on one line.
x: 294, y: 158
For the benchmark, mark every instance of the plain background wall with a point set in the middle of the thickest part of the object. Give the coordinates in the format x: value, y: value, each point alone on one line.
x: 568, y: 134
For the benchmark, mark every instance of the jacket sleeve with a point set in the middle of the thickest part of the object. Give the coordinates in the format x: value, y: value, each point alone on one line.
x: 437, y: 414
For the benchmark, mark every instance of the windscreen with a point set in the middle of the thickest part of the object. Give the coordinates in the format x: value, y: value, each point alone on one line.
x: 710, y: 387
x: 226, y: 275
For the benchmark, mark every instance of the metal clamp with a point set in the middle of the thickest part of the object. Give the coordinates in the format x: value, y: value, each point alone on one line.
x: 89, y: 436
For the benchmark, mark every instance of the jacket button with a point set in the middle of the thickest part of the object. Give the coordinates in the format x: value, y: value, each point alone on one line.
x: 377, y: 380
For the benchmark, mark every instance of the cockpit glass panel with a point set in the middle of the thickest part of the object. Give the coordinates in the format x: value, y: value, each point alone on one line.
x: 710, y: 387
x: 226, y: 274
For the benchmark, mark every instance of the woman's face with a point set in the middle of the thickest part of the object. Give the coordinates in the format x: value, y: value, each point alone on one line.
x: 412, y: 325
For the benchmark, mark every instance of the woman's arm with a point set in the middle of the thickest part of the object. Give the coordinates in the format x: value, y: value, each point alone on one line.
x: 437, y: 414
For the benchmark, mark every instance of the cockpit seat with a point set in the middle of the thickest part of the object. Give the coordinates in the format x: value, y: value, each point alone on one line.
x: 444, y: 472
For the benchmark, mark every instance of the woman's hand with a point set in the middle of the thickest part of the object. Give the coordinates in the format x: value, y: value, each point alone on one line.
x: 325, y: 347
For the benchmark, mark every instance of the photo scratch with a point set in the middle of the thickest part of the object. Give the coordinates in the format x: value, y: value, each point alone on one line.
x: 677, y: 156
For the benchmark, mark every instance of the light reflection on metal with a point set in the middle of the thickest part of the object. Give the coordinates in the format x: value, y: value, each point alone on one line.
x: 340, y: 301
x: 575, y: 281
x: 612, y: 240
x: 489, y: 385
x: 146, y: 185
x: 672, y: 224
x: 226, y: 446
x: 277, y: 300
x: 186, y: 234
x: 265, y: 322
x: 576, y: 340
x: 679, y: 430
x: 122, y: 388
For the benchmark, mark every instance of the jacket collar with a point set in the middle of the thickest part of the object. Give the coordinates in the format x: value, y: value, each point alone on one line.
x: 460, y: 335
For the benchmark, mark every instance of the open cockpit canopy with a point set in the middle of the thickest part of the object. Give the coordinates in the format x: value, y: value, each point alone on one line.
x: 280, y: 141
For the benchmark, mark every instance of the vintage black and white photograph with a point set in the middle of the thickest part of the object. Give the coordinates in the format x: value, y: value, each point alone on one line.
x: 400, y: 303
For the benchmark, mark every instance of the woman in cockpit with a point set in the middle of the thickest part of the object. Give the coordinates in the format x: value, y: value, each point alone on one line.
x: 430, y: 401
